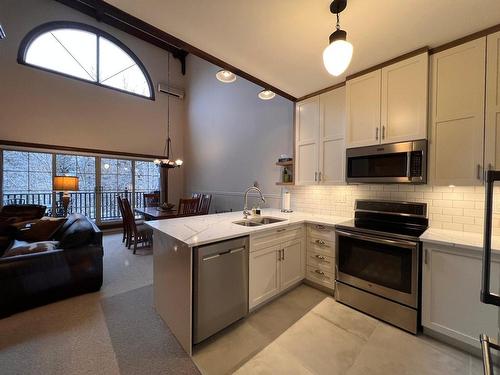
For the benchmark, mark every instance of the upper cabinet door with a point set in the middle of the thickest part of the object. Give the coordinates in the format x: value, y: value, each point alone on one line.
x: 404, y: 100
x: 307, y: 129
x: 331, y: 136
x: 457, y: 106
x: 492, y: 136
x: 363, y: 110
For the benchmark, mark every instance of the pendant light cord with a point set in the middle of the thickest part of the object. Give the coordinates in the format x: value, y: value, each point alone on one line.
x: 338, y: 22
x: 166, y: 149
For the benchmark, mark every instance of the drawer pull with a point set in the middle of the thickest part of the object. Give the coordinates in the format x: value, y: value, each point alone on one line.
x: 319, y: 272
x: 320, y: 227
x: 281, y: 230
x: 321, y: 242
x: 320, y: 257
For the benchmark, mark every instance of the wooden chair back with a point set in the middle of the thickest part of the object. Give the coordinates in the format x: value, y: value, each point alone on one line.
x: 152, y: 200
x: 188, y: 207
x: 128, y: 215
x: 204, y: 206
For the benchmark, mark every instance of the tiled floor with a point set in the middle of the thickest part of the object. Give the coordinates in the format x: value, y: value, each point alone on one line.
x: 307, y: 332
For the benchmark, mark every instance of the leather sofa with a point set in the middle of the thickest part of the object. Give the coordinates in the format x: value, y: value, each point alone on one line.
x: 74, y: 267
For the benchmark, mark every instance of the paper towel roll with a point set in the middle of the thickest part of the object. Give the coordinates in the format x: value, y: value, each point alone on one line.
x: 285, y: 205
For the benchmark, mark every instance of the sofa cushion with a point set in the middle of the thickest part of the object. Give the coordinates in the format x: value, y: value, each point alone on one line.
x: 40, y: 230
x: 77, y: 231
x: 7, y: 235
x: 23, y: 248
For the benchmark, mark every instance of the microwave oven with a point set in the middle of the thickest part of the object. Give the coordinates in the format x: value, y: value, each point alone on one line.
x: 399, y: 163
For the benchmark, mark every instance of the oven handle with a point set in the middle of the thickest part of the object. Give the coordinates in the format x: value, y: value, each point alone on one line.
x: 400, y: 243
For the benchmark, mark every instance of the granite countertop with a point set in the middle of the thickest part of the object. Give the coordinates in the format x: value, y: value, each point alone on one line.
x: 459, y: 239
x: 200, y: 230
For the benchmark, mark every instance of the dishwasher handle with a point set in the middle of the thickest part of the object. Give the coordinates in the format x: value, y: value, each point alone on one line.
x: 232, y: 251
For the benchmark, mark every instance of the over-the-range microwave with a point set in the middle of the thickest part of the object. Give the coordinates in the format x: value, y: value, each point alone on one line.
x: 403, y: 162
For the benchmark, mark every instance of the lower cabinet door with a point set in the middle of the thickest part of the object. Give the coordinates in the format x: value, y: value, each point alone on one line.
x: 292, y: 263
x: 451, y: 287
x: 264, y: 280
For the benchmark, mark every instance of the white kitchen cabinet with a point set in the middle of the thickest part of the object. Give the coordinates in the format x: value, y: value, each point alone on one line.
x: 457, y: 114
x: 276, y: 262
x: 363, y: 110
x: 331, y: 137
x: 307, y: 141
x: 404, y: 100
x: 292, y: 267
x: 388, y: 105
x: 451, y: 287
x: 319, y: 139
x: 263, y: 275
x: 320, y: 255
x: 492, y: 120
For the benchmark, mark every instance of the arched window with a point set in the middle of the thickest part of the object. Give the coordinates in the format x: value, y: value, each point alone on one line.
x: 86, y: 53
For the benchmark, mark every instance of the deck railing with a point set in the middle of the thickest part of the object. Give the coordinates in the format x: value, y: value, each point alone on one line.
x: 81, y: 202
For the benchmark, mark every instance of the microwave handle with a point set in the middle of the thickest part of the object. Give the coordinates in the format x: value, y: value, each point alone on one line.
x: 408, y: 166
x: 486, y: 296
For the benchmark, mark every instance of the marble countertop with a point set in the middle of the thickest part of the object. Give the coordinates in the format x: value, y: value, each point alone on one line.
x: 459, y: 239
x: 200, y: 230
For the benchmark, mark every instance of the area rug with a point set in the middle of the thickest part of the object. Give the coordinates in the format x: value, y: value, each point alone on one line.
x: 143, y: 344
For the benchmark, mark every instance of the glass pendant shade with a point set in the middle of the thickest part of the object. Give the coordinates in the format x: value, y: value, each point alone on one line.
x: 337, y: 56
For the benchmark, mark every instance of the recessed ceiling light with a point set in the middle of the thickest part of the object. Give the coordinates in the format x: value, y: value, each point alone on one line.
x: 225, y: 76
x: 266, y: 94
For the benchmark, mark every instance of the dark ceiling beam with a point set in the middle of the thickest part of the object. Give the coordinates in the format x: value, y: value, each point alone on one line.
x: 113, y: 16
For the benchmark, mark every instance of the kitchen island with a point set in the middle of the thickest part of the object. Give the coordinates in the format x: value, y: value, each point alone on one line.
x: 174, y: 241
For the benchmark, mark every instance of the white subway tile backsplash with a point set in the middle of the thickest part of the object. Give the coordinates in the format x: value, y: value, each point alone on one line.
x: 458, y: 208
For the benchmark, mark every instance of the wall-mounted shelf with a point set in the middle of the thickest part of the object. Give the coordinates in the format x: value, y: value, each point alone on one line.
x: 285, y: 163
x: 287, y: 166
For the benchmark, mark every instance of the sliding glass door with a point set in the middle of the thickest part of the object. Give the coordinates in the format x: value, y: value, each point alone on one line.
x: 27, y: 178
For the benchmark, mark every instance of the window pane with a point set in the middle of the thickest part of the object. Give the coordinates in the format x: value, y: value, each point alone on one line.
x: 15, y: 182
x: 15, y: 161
x: 108, y: 166
x: 117, y: 69
x: 40, y: 182
x: 39, y: 162
x: 68, y: 51
x: 65, y: 165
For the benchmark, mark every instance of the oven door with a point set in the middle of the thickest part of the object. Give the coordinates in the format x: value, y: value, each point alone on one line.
x: 379, y: 265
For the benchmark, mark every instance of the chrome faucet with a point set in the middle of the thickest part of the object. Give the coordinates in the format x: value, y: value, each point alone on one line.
x: 245, y: 208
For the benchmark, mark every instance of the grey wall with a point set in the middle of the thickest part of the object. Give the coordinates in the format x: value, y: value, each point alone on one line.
x: 232, y: 137
x: 42, y: 107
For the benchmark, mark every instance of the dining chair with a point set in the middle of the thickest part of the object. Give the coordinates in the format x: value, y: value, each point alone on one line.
x: 137, y: 234
x: 124, y: 221
x: 204, y: 205
x: 151, y: 200
x: 188, y: 207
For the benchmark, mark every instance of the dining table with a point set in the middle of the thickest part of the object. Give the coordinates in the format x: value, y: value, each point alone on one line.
x: 156, y: 213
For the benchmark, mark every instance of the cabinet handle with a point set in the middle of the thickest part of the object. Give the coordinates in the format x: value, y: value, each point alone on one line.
x: 283, y: 252
x: 479, y: 172
x: 376, y: 133
x: 320, y: 227
x: 320, y: 242
x: 319, y: 272
x: 281, y: 230
x: 319, y: 176
x: 315, y: 176
x: 383, y: 132
x: 426, y: 256
x: 321, y: 257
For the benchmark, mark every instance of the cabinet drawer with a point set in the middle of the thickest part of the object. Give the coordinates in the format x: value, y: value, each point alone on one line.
x: 321, y: 261
x: 321, y: 232
x: 320, y: 276
x: 274, y: 237
x: 320, y: 245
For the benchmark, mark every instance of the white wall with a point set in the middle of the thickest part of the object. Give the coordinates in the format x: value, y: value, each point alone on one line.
x: 41, y: 107
x: 232, y: 137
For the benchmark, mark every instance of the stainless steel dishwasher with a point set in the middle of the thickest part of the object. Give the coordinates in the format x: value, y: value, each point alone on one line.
x: 220, y: 286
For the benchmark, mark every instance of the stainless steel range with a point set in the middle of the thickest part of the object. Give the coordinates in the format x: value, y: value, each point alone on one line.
x: 378, y: 261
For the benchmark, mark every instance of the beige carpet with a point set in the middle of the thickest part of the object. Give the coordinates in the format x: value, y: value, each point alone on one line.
x: 73, y: 336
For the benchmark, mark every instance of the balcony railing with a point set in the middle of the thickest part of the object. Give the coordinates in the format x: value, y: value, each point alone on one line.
x: 81, y: 202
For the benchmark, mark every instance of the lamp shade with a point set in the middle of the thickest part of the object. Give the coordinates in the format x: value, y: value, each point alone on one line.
x: 337, y: 56
x: 66, y: 183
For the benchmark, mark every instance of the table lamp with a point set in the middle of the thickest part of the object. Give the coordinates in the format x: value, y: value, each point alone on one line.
x: 65, y: 184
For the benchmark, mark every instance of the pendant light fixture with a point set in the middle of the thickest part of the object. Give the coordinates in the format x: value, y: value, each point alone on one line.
x: 266, y: 94
x: 337, y: 56
x: 225, y: 76
x: 166, y: 162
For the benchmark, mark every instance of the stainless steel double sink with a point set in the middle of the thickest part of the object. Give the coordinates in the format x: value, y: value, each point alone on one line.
x: 255, y: 222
